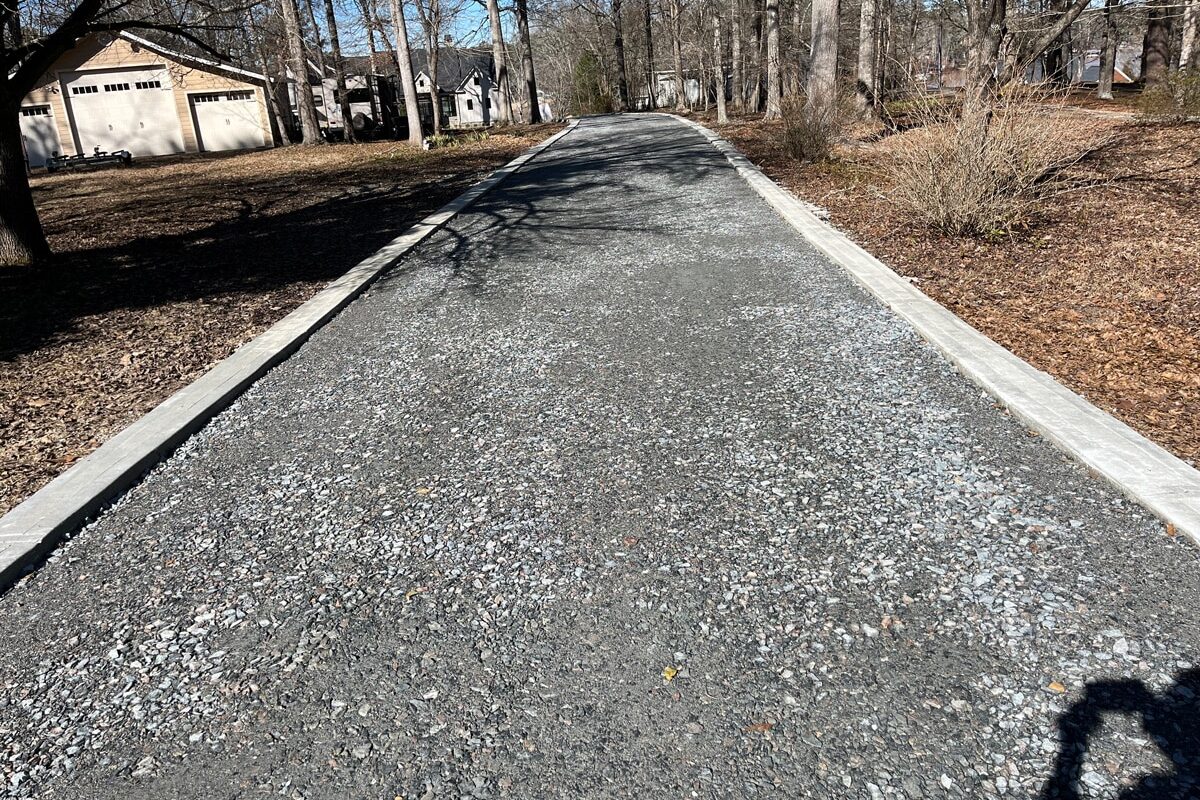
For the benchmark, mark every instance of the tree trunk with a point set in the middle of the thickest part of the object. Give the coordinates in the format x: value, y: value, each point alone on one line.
x: 1108, y: 51
x: 985, y: 34
x: 1189, y: 52
x: 651, y: 84
x: 774, y: 71
x: 339, y: 71
x: 864, y: 84
x: 412, y: 109
x: 1156, y: 47
x: 677, y: 56
x: 822, y: 73
x: 755, y: 98
x: 739, y: 77
x: 435, y: 91
x: 503, y: 100
x: 535, y: 110
x: 21, y: 238
x: 719, y: 68
x: 619, y: 55
x: 310, y: 128
x: 796, y: 67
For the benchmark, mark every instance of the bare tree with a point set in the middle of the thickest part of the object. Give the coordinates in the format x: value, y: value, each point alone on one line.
x: 412, y: 109
x: 619, y: 56
x: 503, y: 99
x: 1156, y: 47
x: 339, y: 71
x: 864, y: 85
x: 822, y: 74
x: 774, y: 70
x: 535, y: 111
x: 430, y: 14
x: 676, y: 10
x: 719, y: 67
x: 651, y: 88
x: 306, y: 108
x: 1108, y: 51
x: 1189, y: 43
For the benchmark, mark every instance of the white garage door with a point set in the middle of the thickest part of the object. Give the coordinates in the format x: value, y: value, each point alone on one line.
x: 227, y: 120
x: 128, y: 109
x: 39, y: 134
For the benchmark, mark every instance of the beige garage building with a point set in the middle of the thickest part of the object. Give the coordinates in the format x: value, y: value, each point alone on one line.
x: 122, y: 92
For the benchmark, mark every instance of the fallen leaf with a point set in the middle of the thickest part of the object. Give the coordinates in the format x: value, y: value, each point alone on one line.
x: 1055, y: 686
x: 1171, y: 530
x: 760, y: 727
x: 411, y: 593
x: 421, y: 490
x: 669, y: 673
x: 630, y: 541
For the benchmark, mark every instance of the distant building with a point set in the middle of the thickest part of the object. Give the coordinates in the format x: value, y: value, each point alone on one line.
x: 122, y: 92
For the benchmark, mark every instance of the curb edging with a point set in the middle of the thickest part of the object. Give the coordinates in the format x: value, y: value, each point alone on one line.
x: 1137, y: 467
x: 31, y: 529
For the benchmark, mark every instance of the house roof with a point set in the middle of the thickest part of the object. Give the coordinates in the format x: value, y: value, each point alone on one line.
x: 455, y: 64
x: 187, y: 58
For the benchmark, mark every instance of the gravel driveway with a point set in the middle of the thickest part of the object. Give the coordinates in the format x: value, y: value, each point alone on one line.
x: 614, y: 488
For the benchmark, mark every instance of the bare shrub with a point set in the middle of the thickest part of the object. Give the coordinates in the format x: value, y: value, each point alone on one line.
x: 810, y: 134
x: 987, y: 169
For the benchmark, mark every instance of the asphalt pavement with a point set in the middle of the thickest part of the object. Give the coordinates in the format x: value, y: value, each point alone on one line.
x: 612, y: 488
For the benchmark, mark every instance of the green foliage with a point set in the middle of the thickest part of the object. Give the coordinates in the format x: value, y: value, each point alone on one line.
x: 588, y: 95
x: 1175, y: 101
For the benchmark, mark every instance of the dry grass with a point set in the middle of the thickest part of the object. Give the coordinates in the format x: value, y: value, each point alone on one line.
x: 1102, y: 289
x: 166, y: 267
x: 976, y: 173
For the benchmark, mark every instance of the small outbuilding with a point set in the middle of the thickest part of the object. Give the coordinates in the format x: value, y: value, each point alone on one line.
x: 122, y: 92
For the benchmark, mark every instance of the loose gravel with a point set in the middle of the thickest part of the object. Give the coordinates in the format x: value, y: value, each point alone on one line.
x: 614, y: 488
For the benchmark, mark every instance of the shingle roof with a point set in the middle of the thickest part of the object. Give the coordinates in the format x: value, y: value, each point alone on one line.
x: 455, y: 64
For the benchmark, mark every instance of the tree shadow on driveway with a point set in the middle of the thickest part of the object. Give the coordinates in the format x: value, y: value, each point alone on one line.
x: 1171, y: 720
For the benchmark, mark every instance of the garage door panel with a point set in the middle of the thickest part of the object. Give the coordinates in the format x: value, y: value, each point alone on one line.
x: 227, y: 120
x: 39, y: 133
x: 131, y: 109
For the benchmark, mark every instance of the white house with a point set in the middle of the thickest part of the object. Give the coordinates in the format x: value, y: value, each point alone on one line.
x: 122, y: 92
x: 465, y: 88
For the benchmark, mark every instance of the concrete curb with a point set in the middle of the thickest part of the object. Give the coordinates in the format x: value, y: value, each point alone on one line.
x: 1137, y: 467
x: 34, y: 527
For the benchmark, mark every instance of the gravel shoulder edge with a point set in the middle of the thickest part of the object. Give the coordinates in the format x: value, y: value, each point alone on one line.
x: 32, y: 529
x: 1138, y: 468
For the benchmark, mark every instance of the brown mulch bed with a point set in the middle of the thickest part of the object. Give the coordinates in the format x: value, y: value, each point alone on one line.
x: 1102, y: 291
x: 166, y: 267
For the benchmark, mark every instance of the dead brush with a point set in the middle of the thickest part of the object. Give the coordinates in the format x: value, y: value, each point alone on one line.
x: 810, y: 134
x: 987, y: 170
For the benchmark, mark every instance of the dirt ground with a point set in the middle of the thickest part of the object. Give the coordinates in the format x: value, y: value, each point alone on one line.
x: 166, y: 267
x: 1102, y: 290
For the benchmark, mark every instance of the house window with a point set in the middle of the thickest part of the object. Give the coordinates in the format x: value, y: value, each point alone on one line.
x: 245, y: 95
x: 476, y: 80
x: 116, y: 87
x: 318, y: 100
x: 147, y: 84
x: 84, y: 89
x: 470, y: 105
x: 40, y: 111
x: 448, y: 109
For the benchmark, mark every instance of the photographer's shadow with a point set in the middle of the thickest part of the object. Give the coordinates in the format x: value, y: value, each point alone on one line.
x: 1171, y: 720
